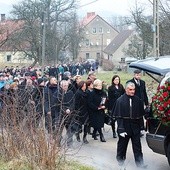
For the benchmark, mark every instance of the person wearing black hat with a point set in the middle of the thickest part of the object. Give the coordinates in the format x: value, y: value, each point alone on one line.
x: 40, y: 81
x: 140, y: 91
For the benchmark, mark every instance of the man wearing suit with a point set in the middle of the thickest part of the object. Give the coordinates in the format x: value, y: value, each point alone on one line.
x: 128, y: 112
x: 140, y: 91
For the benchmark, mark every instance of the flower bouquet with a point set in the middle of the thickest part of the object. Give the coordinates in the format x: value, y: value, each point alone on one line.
x: 161, y: 103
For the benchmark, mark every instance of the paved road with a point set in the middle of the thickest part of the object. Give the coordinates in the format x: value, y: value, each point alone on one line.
x: 102, y: 155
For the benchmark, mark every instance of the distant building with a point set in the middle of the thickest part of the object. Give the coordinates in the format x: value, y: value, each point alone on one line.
x: 8, y: 53
x: 115, y: 50
x: 103, y: 41
x: 98, y: 34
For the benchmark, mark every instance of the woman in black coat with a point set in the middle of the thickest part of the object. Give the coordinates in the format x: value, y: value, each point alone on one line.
x: 96, y: 104
x: 81, y: 109
x: 114, y: 92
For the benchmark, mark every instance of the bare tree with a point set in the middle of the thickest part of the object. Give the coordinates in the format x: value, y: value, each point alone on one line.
x: 75, y: 37
x: 119, y: 22
x: 143, y: 26
x: 53, y: 15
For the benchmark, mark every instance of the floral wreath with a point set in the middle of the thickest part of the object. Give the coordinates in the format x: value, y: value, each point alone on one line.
x: 161, y: 103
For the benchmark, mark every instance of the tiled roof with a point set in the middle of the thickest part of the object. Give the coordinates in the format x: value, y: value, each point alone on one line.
x: 88, y: 18
x: 117, y: 41
x: 7, y: 30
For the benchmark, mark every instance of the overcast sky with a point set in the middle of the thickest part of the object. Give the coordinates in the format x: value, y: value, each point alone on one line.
x: 105, y: 8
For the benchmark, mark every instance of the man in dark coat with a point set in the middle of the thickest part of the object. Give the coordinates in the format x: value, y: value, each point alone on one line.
x: 128, y: 112
x: 38, y: 96
x: 50, y: 104
x: 140, y: 91
x: 140, y: 87
x: 66, y: 106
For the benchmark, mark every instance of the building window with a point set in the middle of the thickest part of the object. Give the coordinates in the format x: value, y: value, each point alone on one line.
x: 98, y: 55
x: 87, y: 55
x: 108, y: 31
x: 108, y: 41
x: 87, y: 42
x: 8, y: 58
x: 100, y: 30
x: 130, y: 46
x: 122, y: 60
x: 94, y: 30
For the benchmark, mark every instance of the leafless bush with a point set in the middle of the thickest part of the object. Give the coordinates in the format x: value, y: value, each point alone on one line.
x: 21, y: 138
x: 107, y: 65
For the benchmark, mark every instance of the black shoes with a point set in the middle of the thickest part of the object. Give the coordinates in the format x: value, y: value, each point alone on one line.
x: 78, y: 137
x: 102, y: 139
x: 114, y: 135
x: 85, y: 141
x: 94, y: 137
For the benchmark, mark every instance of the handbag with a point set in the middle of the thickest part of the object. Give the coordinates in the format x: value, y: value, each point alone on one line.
x: 108, y: 119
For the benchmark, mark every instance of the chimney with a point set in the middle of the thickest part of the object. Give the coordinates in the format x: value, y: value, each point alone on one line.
x: 89, y: 14
x: 2, y: 17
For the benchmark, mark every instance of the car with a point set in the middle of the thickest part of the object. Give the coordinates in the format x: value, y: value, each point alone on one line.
x: 91, y: 60
x: 158, y: 135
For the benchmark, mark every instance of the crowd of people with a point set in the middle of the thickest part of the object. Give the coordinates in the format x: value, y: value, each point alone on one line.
x: 79, y: 105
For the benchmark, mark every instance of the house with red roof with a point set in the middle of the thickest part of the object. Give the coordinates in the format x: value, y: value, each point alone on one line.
x: 103, y: 41
x: 97, y: 36
x: 8, y: 53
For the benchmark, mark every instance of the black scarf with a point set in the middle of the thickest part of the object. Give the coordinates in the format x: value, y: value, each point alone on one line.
x: 122, y: 108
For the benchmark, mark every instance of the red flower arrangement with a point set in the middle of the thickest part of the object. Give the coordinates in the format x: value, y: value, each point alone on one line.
x: 161, y: 103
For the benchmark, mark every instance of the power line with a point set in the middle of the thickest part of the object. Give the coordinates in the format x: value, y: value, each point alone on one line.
x: 88, y: 3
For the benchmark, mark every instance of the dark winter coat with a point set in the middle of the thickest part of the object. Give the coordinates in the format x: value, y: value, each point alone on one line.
x: 129, y: 118
x: 140, y: 90
x: 38, y: 95
x: 97, y: 116
x: 81, y: 107
x: 73, y: 87
x: 66, y: 101
x: 114, y: 94
x: 51, y: 93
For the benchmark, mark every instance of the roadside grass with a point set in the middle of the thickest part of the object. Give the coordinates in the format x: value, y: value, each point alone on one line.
x: 124, y: 76
x: 106, y: 76
x: 17, y: 164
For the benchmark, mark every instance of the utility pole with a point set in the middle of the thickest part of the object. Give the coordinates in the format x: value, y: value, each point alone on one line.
x: 43, y: 39
x: 101, y: 62
x: 156, y: 28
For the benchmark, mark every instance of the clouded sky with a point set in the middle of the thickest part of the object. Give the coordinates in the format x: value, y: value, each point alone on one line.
x: 102, y: 7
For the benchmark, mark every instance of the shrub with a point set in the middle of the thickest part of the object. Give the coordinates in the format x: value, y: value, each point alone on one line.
x: 107, y: 65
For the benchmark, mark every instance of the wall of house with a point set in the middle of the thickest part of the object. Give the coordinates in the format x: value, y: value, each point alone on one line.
x: 9, y: 57
x: 98, y: 41
x: 116, y: 57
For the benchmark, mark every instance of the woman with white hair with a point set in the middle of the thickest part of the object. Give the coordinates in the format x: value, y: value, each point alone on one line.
x: 97, y: 105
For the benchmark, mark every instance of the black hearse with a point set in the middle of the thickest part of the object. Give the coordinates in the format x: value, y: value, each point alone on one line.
x: 158, y: 136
